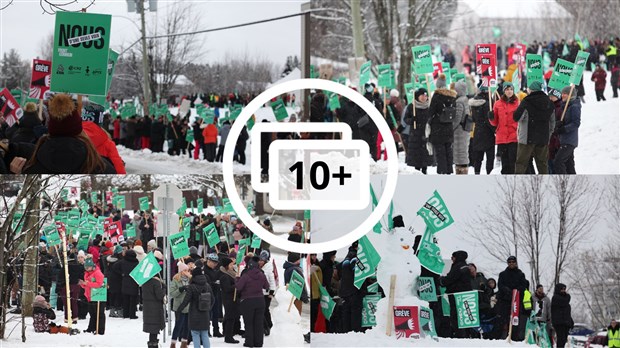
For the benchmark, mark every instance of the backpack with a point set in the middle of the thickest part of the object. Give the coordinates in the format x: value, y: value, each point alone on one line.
x: 467, y: 122
x: 204, y: 301
x: 448, y: 113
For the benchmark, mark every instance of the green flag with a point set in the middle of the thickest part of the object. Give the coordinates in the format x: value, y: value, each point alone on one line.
x: 546, y: 59
x: 580, y: 64
x: 250, y: 207
x: 369, y: 259
x: 182, y: 208
x: 516, y: 79
x: 327, y: 303
x: 467, y: 310
x: 435, y: 213
x: 561, y: 74
x: 369, y: 307
x: 429, y: 254
x: 178, y: 244
x: 211, y: 235
x: 334, y: 101
x: 534, y: 67
x: 426, y: 289
x: 279, y: 110
x: 146, y: 269
x: 296, y: 285
x: 427, y: 322
x: 144, y: 203
x: 422, y: 59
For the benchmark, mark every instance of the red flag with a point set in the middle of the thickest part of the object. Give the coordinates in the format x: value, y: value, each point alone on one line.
x: 320, y: 325
x: 514, y: 311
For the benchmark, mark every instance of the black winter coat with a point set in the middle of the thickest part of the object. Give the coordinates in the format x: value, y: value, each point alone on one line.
x: 441, y: 133
x: 198, y: 321
x: 327, y: 268
x: 153, y: 305
x: 158, y: 132
x: 123, y: 268
x: 347, y: 277
x: 510, y: 279
x: 115, y: 280
x: 539, y: 110
x: 349, y: 113
x: 560, y: 308
x: 29, y: 129
x: 317, y: 108
x: 458, y: 279
x: 484, y: 132
x: 63, y: 155
x: 213, y: 277
x: 76, y: 273
x: 227, y: 285
x: 417, y: 153
x: 147, y: 233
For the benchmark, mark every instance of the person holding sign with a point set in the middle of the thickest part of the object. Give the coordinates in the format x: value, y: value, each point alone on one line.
x: 250, y: 292
x: 153, y: 301
x: 457, y: 280
x: 179, y: 284
x: 228, y: 278
x: 536, y: 117
x: 93, y: 278
x: 568, y: 129
x: 200, y: 298
x: 129, y: 287
x: 506, y: 134
x: 442, y: 112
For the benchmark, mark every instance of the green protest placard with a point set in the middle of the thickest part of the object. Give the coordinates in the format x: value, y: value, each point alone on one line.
x: 64, y: 194
x: 369, y: 260
x: 296, y: 285
x: 534, y: 67
x: 94, y: 197
x: 426, y: 289
x: 118, y: 202
x: 251, y: 122
x: 427, y: 322
x: 250, y: 207
x: 373, y: 288
x: 579, y: 65
x: 365, y: 73
x: 178, y: 244
x: 430, y: 86
x: 369, y: 308
x: 445, y: 302
x: 327, y: 302
x: 384, y: 78
x: 314, y: 73
x: 227, y: 207
x: 146, y: 269
x: 83, y: 206
x: 129, y: 231
x: 279, y: 110
x: 409, y: 91
x: 144, y: 203
x: 458, y: 77
x: 200, y: 205
x: 182, y: 208
x: 211, y: 235
x: 334, y: 101
x: 467, y: 310
x: 307, y: 214
x: 241, y: 253
x: 189, y: 136
x: 83, y: 240
x: 51, y: 233
x: 255, y: 242
x: 429, y: 254
x: 435, y: 213
x: 422, y: 59
x: 112, y: 58
x: 80, y: 53
x: 561, y: 74
x: 245, y: 242
x: 100, y: 294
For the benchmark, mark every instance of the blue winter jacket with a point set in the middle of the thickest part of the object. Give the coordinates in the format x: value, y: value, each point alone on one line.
x: 572, y: 121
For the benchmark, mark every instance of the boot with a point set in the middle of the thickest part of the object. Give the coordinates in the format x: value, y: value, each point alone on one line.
x: 183, y: 343
x: 153, y: 344
x: 230, y: 340
x: 173, y: 344
x: 460, y: 170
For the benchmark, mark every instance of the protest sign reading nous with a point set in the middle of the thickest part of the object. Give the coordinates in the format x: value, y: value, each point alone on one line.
x: 561, y: 74
x: 422, y: 59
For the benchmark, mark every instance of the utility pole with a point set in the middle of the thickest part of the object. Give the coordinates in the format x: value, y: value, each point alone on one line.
x: 145, y: 59
x: 356, y: 18
x: 305, y: 59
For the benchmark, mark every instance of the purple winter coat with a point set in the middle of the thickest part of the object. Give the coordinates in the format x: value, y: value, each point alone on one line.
x: 252, y: 283
x: 124, y: 221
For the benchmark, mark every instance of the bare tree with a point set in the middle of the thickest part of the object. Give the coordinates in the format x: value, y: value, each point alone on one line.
x: 577, y: 203
x: 46, y: 48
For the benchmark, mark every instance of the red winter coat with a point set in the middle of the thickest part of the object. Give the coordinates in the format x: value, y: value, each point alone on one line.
x: 599, y: 78
x: 117, y: 129
x: 210, y: 134
x: 502, y: 119
x: 93, y: 279
x: 104, y: 145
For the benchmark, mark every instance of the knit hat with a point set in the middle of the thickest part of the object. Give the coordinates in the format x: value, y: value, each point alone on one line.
x: 213, y: 257
x: 535, y: 86
x: 253, y: 262
x: 81, y: 253
x: 64, y: 119
x: 293, y: 257
x: 394, y: 93
x: 39, y: 301
x: 89, y: 263
x: 555, y: 93
x: 197, y: 271
x: 512, y: 258
x: 193, y: 250
x: 152, y: 244
x: 139, y: 252
x: 182, y: 267
x: 118, y: 249
x: 225, y: 262
x: 264, y: 255
x: 566, y: 90
x: 441, y: 81
x: 198, y: 263
x: 419, y: 92
x: 508, y: 85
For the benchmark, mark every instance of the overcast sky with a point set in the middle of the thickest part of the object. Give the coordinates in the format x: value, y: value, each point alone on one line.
x: 23, y: 25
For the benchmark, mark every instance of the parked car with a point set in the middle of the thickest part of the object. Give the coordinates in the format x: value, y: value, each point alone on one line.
x: 597, y: 340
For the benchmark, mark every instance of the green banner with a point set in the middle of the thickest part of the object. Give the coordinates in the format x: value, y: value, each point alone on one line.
x: 279, y: 110
x: 435, y: 213
x: 80, y: 53
x: 51, y: 233
x: 384, y: 78
x: 369, y: 308
x: 255, y: 242
x: 296, y: 285
x: 211, y: 235
x: 580, y: 64
x: 365, y: 73
x: 327, y: 302
x: 427, y: 322
x: 534, y: 67
x: 178, y: 244
x: 426, y: 289
x: 467, y: 310
x: 112, y: 58
x: 144, y: 203
x: 429, y: 254
x: 100, y: 294
x: 146, y: 269
x: 369, y: 260
x: 422, y: 59
x: 561, y: 74
x: 200, y: 205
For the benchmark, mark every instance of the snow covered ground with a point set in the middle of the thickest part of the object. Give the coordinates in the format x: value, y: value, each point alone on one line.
x: 288, y: 327
x: 598, y: 151
x: 379, y: 339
